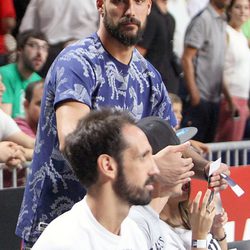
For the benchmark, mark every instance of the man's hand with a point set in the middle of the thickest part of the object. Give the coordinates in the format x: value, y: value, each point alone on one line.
x: 6, y: 151
x: 174, y: 169
x: 216, y: 181
x: 11, y: 154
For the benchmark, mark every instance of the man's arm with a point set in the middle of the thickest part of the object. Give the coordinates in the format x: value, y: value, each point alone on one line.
x: 7, y: 108
x: 189, y: 74
x: 67, y: 117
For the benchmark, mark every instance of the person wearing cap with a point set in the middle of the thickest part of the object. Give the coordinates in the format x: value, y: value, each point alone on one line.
x: 160, y: 135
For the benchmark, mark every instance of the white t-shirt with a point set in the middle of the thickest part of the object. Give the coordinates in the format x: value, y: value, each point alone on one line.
x: 8, y: 126
x: 149, y: 222
x: 180, y: 238
x: 237, y: 64
x: 78, y: 229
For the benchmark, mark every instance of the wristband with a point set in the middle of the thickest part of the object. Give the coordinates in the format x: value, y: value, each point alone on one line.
x: 223, y: 238
x: 199, y: 243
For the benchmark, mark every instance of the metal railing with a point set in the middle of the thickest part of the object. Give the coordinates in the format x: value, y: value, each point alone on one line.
x: 13, y: 173
x: 233, y: 153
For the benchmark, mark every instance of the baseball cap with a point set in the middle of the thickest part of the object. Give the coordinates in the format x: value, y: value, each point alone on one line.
x: 160, y: 133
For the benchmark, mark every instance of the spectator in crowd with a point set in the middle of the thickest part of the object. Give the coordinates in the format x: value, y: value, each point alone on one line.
x: 232, y: 118
x: 157, y: 44
x: 32, y: 54
x: 178, y: 223
x: 203, y: 62
x: 117, y: 173
x: 32, y: 103
x: 7, y: 24
x: 102, y: 70
x: 60, y: 21
x: 15, y: 147
x: 200, y: 147
x: 160, y: 134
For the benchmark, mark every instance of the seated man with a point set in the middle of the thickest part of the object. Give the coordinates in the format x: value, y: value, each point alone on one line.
x: 32, y: 53
x: 113, y: 160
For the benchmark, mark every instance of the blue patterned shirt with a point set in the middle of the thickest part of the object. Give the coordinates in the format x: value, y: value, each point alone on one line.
x: 87, y: 73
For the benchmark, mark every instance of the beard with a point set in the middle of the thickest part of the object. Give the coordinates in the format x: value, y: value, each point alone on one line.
x: 133, y: 194
x: 123, y: 36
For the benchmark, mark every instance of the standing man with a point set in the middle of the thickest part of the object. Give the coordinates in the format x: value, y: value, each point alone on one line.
x: 117, y: 173
x: 32, y: 53
x: 102, y: 70
x: 203, y: 62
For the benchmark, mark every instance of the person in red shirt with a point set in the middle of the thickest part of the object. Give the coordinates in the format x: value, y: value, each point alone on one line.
x: 7, y: 24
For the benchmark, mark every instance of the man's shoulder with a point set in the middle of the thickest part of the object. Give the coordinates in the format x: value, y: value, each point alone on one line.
x: 6, y: 69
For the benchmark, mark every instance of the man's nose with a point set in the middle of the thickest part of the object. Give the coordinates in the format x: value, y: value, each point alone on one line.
x: 154, y: 169
x: 130, y: 8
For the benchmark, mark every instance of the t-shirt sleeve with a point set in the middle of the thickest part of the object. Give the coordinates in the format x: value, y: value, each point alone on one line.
x: 195, y: 34
x: 8, y: 126
x: 74, y: 78
x: 8, y: 93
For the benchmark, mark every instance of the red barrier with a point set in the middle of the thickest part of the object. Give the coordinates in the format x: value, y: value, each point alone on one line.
x: 238, y: 208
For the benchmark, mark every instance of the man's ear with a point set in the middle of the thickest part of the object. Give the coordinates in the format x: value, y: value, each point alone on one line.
x: 149, y: 7
x: 99, y: 4
x: 107, y: 166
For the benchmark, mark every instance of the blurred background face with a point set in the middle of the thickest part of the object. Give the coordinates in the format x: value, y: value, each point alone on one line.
x: 33, y: 107
x: 34, y: 54
x: 239, y: 12
x: 221, y: 4
x: 177, y: 108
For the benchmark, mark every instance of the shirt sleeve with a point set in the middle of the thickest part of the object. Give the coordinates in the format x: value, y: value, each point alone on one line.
x: 8, y: 126
x: 74, y: 78
x: 8, y: 93
x: 196, y: 33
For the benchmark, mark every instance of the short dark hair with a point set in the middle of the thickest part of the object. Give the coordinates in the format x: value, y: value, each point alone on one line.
x: 30, y: 90
x: 100, y: 132
x: 23, y: 37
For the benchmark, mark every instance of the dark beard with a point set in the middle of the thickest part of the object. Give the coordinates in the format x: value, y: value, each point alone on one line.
x: 132, y: 194
x: 115, y: 31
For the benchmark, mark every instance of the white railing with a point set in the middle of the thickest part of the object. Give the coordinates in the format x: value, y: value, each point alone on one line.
x: 233, y: 153
x: 13, y: 175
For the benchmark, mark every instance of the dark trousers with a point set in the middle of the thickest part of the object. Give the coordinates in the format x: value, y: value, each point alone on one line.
x: 204, y: 117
